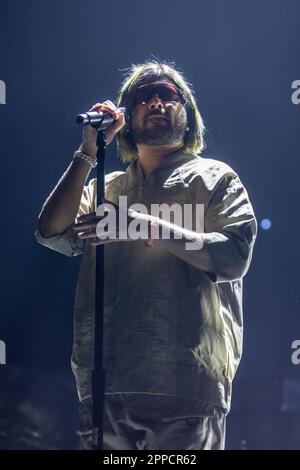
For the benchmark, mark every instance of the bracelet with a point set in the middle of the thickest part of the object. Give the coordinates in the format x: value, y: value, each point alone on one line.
x: 87, y: 158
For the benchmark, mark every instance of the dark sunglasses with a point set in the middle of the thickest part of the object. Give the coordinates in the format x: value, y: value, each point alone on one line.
x: 167, y: 92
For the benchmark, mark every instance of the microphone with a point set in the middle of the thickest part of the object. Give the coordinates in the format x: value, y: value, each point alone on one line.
x: 96, y: 118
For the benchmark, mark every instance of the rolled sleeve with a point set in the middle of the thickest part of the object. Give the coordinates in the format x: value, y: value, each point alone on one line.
x: 230, y: 230
x: 66, y: 243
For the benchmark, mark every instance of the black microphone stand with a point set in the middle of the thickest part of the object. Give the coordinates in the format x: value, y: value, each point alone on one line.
x: 98, y: 374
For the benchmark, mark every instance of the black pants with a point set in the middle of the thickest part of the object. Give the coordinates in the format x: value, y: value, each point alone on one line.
x: 153, y: 422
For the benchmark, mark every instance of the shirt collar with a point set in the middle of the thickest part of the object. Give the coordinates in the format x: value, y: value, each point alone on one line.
x: 173, y: 160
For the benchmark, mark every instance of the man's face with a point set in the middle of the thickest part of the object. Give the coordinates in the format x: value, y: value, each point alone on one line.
x: 158, y: 114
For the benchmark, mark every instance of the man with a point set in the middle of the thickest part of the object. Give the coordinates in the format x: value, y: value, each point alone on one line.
x: 172, y: 315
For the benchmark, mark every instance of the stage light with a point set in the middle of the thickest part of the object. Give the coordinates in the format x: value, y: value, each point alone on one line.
x: 266, y: 224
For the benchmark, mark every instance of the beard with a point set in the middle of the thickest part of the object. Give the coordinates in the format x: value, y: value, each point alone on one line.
x: 160, y: 131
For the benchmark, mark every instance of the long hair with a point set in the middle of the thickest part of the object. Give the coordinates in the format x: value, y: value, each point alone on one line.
x: 146, y: 73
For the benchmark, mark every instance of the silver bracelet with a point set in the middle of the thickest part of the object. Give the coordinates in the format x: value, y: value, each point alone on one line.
x: 87, y: 158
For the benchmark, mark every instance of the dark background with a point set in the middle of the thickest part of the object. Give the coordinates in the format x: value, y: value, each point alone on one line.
x: 59, y: 57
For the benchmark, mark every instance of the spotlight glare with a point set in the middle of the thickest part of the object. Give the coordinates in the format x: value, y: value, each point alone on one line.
x: 266, y: 224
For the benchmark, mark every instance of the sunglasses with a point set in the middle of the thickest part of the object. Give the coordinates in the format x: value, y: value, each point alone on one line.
x: 167, y: 92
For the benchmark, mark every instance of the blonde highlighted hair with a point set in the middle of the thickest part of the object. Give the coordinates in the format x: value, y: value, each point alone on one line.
x: 146, y: 73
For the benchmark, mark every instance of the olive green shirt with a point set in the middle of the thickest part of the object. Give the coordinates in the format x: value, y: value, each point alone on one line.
x: 169, y: 328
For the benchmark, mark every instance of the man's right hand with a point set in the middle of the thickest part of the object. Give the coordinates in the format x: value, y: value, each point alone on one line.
x: 89, y: 141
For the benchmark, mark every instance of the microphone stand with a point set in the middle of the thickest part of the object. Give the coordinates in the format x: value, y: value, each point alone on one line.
x: 98, y: 373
